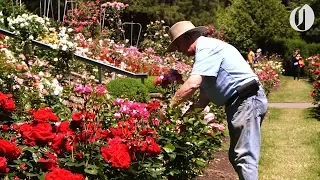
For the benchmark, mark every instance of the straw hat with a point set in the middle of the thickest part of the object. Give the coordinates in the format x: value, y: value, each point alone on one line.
x: 181, y: 28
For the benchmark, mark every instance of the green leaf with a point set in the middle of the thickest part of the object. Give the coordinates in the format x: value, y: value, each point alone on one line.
x: 201, y: 162
x: 36, y: 156
x: 91, y: 169
x: 204, y: 122
x: 41, y: 176
x: 31, y: 175
x: 80, y: 164
x: 174, y: 171
x: 169, y: 148
x: 172, y: 156
x: 70, y: 164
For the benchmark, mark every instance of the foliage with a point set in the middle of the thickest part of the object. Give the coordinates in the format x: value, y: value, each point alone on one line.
x: 151, y: 87
x: 200, y: 12
x: 129, y: 88
x: 249, y: 24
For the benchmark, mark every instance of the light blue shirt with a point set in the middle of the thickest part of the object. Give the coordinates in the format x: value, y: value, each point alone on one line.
x: 215, y: 58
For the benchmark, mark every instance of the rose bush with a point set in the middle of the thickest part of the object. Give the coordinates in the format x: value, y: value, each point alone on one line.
x: 78, y: 130
x: 313, y: 72
x: 269, y: 70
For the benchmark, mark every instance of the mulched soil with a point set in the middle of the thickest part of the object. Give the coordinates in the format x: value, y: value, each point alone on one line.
x: 219, y: 168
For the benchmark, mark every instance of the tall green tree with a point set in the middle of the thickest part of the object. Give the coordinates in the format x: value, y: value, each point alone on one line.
x: 200, y: 12
x: 252, y: 23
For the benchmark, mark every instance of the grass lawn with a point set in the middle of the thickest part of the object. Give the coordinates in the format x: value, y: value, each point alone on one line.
x: 291, y: 91
x: 290, y: 145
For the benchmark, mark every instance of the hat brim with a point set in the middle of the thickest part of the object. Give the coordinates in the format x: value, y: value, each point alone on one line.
x: 172, y: 47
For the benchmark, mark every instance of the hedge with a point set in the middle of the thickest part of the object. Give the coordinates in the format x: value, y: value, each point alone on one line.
x: 130, y: 88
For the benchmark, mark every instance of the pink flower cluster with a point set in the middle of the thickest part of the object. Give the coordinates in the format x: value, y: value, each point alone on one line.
x: 117, y: 5
x: 87, y: 89
x: 131, y: 109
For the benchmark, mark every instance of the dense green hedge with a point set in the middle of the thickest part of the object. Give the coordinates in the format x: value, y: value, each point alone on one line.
x: 133, y: 89
x: 285, y: 47
x: 128, y: 88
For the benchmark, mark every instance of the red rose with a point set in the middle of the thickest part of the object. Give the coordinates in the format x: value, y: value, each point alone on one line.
x: 64, y: 127
x: 76, y: 116
x: 7, y: 102
x: 5, y: 128
x: 9, y: 105
x: 150, y: 147
x: 9, y: 149
x: 43, y: 115
x: 117, y: 154
x: 50, y: 163
x: 3, y: 165
x: 62, y: 174
x: 43, y: 133
x: 26, y: 131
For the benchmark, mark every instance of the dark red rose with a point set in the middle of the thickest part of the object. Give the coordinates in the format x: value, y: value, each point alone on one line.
x: 43, y: 133
x: 62, y: 174
x: 9, y: 149
x: 3, y: 165
x: 49, y: 162
x: 5, y: 128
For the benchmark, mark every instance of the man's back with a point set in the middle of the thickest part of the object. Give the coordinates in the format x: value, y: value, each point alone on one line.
x: 223, y: 61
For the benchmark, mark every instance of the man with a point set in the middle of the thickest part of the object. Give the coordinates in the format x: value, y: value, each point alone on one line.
x: 225, y: 78
x: 251, y: 57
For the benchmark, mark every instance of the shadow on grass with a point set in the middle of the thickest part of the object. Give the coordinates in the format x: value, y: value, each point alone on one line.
x: 314, y: 112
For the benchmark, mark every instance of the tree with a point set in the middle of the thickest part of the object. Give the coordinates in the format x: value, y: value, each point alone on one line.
x: 251, y: 23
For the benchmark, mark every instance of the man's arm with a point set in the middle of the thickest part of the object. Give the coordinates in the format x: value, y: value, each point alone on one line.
x: 186, y: 90
x: 202, y: 102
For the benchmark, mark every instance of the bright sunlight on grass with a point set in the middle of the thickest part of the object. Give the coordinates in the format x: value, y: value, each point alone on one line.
x: 290, y: 145
x: 292, y: 91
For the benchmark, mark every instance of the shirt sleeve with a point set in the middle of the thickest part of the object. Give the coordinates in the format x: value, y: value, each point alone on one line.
x: 207, y: 63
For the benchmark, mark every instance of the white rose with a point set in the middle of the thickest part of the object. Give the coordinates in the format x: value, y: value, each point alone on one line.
x: 64, y: 48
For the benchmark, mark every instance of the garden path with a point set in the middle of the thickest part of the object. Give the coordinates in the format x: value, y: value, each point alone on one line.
x: 290, y: 138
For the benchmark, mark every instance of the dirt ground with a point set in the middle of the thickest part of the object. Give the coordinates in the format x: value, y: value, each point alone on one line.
x: 220, y: 168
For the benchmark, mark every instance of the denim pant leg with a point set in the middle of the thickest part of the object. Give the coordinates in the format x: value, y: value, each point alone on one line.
x: 244, y: 121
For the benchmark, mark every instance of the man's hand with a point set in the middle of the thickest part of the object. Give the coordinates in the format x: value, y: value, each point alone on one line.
x: 186, y: 90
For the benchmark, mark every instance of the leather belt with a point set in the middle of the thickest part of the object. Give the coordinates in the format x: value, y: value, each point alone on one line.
x: 250, y: 93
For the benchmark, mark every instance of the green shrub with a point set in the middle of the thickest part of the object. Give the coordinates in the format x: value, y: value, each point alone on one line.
x: 152, y: 88
x: 129, y: 88
x: 285, y: 47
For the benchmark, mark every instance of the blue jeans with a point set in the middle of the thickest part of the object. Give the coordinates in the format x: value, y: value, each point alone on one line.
x: 244, y: 121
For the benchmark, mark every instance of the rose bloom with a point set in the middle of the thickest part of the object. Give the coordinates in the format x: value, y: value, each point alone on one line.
x: 3, y: 165
x: 117, y: 153
x: 62, y: 174
x: 9, y: 149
